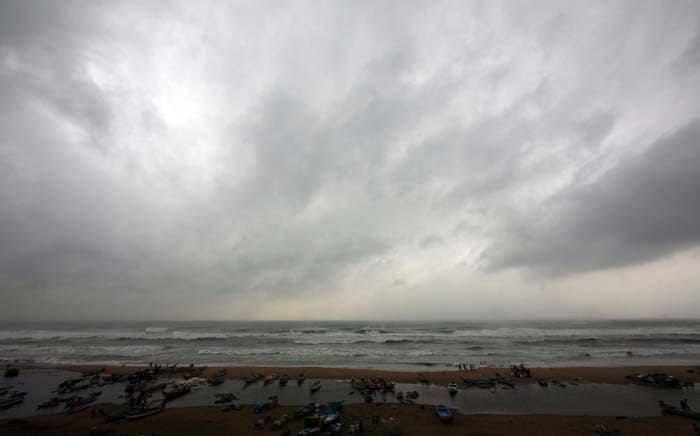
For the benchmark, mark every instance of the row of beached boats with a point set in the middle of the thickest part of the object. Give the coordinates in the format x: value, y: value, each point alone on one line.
x: 282, y: 380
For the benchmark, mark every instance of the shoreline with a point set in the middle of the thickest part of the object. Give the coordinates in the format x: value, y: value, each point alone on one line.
x: 609, y: 375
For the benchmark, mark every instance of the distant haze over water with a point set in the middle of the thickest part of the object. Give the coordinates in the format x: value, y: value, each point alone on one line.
x: 388, y: 345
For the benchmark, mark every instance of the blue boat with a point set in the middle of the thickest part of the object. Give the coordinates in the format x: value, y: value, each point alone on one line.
x: 444, y: 413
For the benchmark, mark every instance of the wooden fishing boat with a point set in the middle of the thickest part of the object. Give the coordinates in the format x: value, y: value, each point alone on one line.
x: 270, y: 378
x: 176, y: 390
x: 315, y: 386
x: 12, y: 401
x: 145, y: 412
x: 76, y: 402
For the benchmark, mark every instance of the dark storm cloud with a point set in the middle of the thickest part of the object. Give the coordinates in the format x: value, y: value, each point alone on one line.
x: 644, y: 208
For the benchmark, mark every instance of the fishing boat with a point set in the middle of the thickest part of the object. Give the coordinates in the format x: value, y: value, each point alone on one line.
x: 668, y: 409
x: 315, y: 386
x: 121, y: 413
x: 76, y: 402
x: 251, y: 379
x: 452, y: 388
x: 225, y: 397
x: 146, y: 411
x: 300, y: 378
x: 270, y: 378
x: 153, y: 387
x: 53, y: 402
x: 176, y: 390
x: 14, y: 399
x: 5, y: 404
x: 444, y: 413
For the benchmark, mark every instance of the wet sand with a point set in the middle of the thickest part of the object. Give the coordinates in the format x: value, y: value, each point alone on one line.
x: 396, y: 420
x: 611, y: 375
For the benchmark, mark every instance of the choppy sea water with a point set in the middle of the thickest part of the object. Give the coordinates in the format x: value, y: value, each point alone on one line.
x: 381, y: 345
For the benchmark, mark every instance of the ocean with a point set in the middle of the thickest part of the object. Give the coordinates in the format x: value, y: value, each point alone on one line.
x: 362, y: 344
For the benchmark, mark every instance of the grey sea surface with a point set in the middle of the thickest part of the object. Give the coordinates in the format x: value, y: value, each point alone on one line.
x: 379, y: 345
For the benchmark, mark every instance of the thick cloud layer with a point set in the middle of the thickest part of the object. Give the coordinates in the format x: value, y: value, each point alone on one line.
x: 646, y: 207
x: 254, y: 159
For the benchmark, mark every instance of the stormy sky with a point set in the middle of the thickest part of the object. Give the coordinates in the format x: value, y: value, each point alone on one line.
x: 335, y: 160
